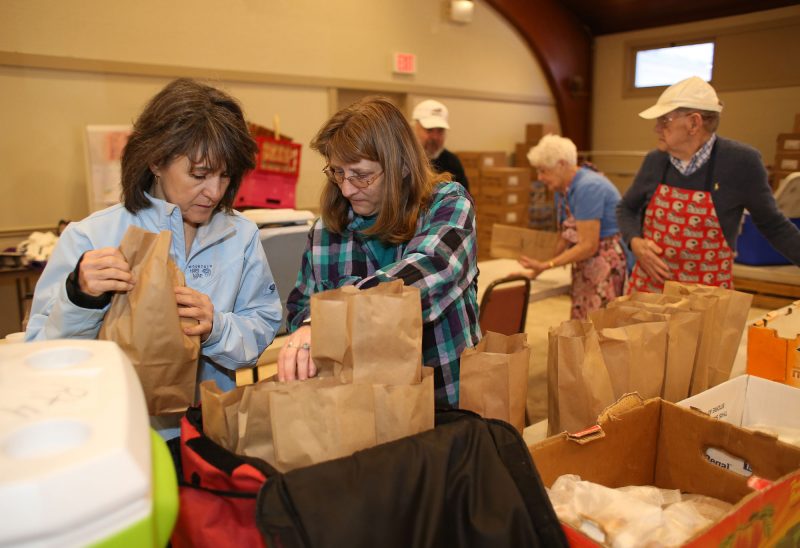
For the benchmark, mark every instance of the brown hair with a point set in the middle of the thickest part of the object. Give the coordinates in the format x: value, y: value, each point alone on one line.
x: 374, y: 129
x: 190, y: 119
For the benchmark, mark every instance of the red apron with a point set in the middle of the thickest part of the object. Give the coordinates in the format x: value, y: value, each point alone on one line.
x: 685, y: 225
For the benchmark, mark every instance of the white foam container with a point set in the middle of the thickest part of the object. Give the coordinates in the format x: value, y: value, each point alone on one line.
x: 75, y: 456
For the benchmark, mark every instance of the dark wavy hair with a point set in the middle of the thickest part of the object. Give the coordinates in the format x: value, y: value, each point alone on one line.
x: 190, y: 119
x: 374, y: 129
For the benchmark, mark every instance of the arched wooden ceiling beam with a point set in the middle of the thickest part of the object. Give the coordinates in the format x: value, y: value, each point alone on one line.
x: 563, y: 47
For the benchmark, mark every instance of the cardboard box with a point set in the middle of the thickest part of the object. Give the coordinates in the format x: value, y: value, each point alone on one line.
x: 785, y: 161
x: 480, y: 160
x: 772, y: 344
x: 491, y: 195
x: 509, y: 242
x: 534, y: 132
x: 750, y: 402
x: 655, y: 442
x: 489, y: 215
x: 521, y: 155
x: 506, y: 178
x: 788, y: 142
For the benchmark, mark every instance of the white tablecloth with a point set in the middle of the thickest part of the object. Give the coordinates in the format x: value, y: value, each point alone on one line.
x: 555, y: 281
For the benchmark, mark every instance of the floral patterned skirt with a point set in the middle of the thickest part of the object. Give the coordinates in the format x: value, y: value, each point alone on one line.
x: 598, y: 280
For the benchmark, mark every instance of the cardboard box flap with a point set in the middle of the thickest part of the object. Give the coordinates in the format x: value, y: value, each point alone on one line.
x: 660, y: 443
x: 625, y: 455
x: 509, y: 242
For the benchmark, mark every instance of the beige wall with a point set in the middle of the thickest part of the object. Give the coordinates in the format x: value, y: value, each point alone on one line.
x: 277, y: 57
x: 754, y: 116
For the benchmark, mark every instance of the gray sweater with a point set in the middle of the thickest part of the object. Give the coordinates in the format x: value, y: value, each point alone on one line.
x: 742, y: 180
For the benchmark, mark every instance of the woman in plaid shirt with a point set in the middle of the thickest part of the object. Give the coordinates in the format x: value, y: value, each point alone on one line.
x: 387, y: 215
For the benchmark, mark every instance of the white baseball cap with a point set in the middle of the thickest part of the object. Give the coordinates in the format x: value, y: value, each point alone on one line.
x: 431, y: 114
x: 693, y: 92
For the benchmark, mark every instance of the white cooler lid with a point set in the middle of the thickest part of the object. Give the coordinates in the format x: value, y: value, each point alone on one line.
x: 74, y: 443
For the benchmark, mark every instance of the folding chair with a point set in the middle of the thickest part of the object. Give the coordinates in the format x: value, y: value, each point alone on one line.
x: 504, y: 305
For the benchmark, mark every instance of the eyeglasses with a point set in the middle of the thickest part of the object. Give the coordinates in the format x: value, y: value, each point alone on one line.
x: 663, y: 121
x: 358, y: 180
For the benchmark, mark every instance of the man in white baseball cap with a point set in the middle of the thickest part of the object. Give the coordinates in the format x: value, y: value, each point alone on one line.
x: 430, y: 125
x: 682, y: 214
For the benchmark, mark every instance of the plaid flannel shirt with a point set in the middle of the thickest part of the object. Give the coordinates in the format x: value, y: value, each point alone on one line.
x: 440, y: 260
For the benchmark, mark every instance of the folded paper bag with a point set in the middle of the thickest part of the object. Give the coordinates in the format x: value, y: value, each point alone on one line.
x: 144, y: 322
x: 369, y: 336
x: 494, y: 378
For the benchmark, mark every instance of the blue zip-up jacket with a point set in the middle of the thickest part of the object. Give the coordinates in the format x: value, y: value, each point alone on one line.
x: 226, y: 262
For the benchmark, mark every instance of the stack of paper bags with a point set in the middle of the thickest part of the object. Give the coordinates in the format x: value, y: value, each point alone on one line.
x: 371, y: 389
x: 671, y: 345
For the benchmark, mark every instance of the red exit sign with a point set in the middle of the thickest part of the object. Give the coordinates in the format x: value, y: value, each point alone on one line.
x: 405, y: 63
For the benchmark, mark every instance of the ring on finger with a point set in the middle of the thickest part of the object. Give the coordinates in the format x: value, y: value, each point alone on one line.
x: 305, y: 346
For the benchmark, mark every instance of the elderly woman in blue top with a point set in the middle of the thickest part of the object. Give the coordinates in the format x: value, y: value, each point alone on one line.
x: 387, y: 215
x: 590, y: 238
x: 181, y: 169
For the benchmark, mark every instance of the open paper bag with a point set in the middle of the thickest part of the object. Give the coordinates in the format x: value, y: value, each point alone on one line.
x: 684, y: 333
x: 144, y: 322
x: 634, y: 348
x: 578, y: 383
x: 494, y: 378
x: 300, y: 423
x: 369, y: 336
x: 722, y: 329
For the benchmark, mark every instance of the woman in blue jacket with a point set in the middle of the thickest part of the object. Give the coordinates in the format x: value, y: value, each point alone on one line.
x: 181, y: 168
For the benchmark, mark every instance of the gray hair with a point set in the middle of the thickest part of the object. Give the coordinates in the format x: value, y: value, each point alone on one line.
x: 710, y: 117
x: 552, y: 149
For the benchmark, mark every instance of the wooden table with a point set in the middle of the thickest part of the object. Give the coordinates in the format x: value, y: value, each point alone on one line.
x: 772, y: 286
x: 25, y: 279
x: 552, y: 282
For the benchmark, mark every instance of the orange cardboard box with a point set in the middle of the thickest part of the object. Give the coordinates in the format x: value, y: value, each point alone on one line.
x: 772, y: 344
x: 655, y: 442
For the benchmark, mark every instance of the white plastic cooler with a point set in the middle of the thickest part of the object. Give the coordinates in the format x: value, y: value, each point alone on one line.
x: 79, y: 464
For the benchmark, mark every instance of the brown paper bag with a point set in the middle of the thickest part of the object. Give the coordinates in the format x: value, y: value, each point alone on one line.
x: 255, y: 421
x: 579, y: 386
x: 729, y: 317
x: 404, y: 409
x: 221, y: 413
x: 509, y: 242
x: 683, y: 336
x: 144, y: 322
x: 369, y: 336
x: 295, y: 424
x: 494, y: 378
x: 635, y: 356
x: 314, y: 425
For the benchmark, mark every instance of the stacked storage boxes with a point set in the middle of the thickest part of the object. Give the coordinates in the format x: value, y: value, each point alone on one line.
x: 474, y: 164
x: 787, y: 155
